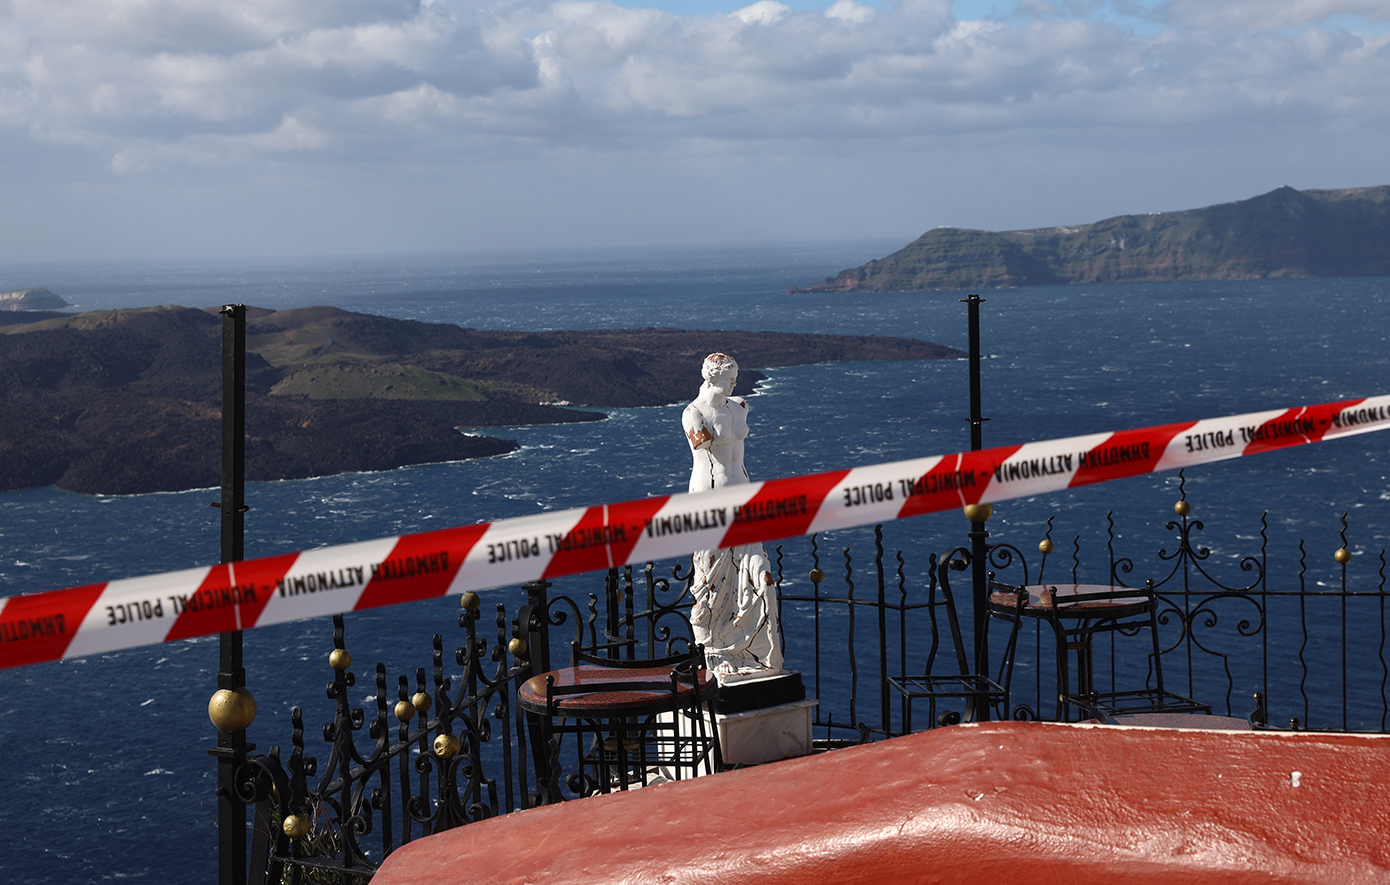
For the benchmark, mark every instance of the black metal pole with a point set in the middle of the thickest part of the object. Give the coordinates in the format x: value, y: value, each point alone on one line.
x: 232, y: 747
x: 973, y: 303
x: 979, y: 550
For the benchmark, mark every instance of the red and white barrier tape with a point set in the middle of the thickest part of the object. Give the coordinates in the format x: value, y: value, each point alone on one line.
x: 126, y: 613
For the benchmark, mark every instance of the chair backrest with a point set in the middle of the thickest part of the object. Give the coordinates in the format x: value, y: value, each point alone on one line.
x: 1102, y: 610
x: 957, y: 559
x: 627, y: 687
x: 691, y: 659
x: 637, y: 619
x: 1007, y: 603
x: 1011, y: 611
x: 1081, y: 616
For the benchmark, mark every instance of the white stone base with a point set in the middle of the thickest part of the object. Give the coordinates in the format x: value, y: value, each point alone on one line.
x: 755, y: 736
x: 766, y: 734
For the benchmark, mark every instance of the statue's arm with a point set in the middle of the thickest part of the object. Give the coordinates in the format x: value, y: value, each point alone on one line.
x: 759, y: 567
x: 697, y: 430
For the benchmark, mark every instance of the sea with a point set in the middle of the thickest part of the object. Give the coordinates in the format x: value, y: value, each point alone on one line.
x: 106, y: 774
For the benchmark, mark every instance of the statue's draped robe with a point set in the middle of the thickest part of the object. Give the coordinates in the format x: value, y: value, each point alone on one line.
x: 735, y: 616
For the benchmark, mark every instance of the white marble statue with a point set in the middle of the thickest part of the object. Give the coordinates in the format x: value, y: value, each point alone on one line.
x: 735, y: 612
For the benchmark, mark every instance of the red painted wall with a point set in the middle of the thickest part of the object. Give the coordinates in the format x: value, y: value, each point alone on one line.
x: 993, y: 803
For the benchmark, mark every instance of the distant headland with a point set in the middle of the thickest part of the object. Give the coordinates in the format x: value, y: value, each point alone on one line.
x: 129, y: 401
x: 1284, y: 233
x: 31, y: 299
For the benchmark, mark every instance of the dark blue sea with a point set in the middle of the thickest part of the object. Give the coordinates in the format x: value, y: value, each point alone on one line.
x: 106, y: 775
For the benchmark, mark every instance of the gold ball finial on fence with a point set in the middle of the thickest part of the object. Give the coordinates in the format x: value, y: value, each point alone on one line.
x: 518, y: 647
x: 420, y: 701
x: 294, y: 826
x: 232, y: 710
x: 1343, y: 555
x: 816, y: 576
x: 978, y: 512
x: 405, y: 711
x: 446, y: 746
x: 1045, y: 546
x: 471, y: 601
x: 339, y: 659
x: 1182, y: 508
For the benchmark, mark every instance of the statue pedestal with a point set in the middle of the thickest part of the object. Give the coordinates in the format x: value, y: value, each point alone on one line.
x: 777, y: 729
x: 766, y: 734
x: 763, y: 717
x: 754, y: 691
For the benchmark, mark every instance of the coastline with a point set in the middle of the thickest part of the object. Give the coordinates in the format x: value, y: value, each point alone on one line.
x: 129, y: 401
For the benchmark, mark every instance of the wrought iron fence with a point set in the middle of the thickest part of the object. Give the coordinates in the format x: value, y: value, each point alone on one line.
x: 447, y: 751
x: 450, y: 746
x: 874, y: 620
x: 1289, y: 652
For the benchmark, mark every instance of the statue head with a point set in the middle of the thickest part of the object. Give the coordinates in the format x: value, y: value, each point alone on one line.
x: 717, y: 365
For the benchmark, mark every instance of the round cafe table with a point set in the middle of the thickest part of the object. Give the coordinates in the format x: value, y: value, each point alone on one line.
x: 1050, y: 601
x: 629, y: 722
x: 1043, y: 597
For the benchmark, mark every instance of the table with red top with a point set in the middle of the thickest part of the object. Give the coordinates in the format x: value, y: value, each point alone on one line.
x: 633, y: 713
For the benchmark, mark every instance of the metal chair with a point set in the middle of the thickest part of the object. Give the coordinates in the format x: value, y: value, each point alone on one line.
x: 635, y: 722
x: 1076, y: 620
x: 965, y: 695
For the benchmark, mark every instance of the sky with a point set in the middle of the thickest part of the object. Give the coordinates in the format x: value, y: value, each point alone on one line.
x: 184, y: 129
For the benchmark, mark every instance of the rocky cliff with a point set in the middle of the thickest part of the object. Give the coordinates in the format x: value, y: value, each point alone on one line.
x: 124, y: 402
x: 1284, y: 233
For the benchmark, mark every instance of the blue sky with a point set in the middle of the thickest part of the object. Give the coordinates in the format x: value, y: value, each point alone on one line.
x: 267, y: 128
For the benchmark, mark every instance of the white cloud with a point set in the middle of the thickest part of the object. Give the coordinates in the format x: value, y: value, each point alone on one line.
x: 764, y: 12
x: 291, y: 135
x: 412, y: 106
x: 144, y: 26
x: 144, y: 89
x: 174, y: 72
x: 849, y: 11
